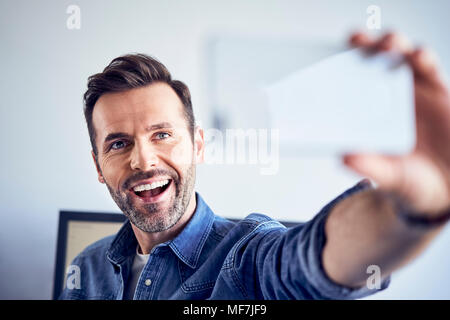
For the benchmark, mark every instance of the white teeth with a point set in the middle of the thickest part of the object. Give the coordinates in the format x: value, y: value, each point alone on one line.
x: 151, y: 186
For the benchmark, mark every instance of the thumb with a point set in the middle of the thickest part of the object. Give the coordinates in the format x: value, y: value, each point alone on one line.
x: 386, y: 171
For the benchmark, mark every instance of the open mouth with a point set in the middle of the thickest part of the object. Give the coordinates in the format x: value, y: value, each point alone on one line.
x: 150, y: 191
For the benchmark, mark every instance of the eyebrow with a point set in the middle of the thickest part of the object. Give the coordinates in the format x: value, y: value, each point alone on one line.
x: 157, y: 126
x: 117, y: 135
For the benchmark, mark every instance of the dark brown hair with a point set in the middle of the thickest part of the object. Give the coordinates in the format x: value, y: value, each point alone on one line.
x: 128, y: 72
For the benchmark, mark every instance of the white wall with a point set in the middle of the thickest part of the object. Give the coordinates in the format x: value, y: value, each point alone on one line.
x: 45, y: 160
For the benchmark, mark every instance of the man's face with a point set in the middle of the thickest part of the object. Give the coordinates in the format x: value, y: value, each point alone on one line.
x: 146, y: 155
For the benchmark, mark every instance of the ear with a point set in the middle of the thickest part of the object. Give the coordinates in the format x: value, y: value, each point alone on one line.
x: 100, y: 175
x: 199, y: 145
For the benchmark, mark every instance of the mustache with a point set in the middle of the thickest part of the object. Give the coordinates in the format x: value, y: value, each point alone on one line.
x: 148, y: 175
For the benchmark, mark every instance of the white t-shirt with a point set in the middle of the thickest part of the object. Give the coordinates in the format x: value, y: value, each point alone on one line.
x: 139, y: 263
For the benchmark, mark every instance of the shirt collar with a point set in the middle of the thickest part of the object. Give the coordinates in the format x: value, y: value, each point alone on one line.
x: 123, y: 245
x: 187, y: 245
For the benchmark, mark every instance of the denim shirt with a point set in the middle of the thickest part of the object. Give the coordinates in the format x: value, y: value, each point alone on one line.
x: 214, y: 258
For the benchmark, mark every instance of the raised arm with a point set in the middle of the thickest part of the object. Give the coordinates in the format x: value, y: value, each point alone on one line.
x: 389, y: 225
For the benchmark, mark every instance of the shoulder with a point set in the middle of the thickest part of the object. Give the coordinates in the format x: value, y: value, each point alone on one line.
x: 262, y: 221
x: 246, y: 234
x: 259, y: 223
x: 253, y: 222
x: 96, y: 250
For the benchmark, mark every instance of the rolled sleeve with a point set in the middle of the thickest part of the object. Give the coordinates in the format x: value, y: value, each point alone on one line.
x: 289, y: 261
x: 312, y: 242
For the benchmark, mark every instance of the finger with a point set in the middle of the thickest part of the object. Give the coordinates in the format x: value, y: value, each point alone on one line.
x: 386, y: 171
x: 424, y: 64
x: 360, y: 39
x: 393, y: 41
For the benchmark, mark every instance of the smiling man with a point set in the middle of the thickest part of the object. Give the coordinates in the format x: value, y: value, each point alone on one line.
x: 146, y: 146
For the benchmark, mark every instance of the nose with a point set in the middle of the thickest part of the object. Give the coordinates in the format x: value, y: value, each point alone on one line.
x: 143, y: 157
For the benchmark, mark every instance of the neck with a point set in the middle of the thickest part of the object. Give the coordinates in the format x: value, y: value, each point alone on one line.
x: 148, y: 240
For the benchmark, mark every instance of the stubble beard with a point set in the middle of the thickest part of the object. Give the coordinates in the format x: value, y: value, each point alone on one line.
x: 152, y: 217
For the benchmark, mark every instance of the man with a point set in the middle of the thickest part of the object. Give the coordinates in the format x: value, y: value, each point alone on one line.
x: 146, y: 147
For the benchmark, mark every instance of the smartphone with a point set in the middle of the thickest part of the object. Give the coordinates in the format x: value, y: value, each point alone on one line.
x: 348, y: 102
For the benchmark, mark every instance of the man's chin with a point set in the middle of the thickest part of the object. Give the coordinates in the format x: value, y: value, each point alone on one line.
x: 160, y: 220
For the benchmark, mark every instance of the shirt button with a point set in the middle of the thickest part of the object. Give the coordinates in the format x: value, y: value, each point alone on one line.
x: 148, y: 282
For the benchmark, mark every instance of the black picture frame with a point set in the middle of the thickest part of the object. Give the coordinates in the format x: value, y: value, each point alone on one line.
x: 64, y: 218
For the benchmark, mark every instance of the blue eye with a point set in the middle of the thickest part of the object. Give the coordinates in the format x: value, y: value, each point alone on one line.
x: 118, y: 145
x: 162, y: 135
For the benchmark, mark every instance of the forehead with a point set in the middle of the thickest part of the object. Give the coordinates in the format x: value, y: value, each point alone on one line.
x: 133, y: 110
